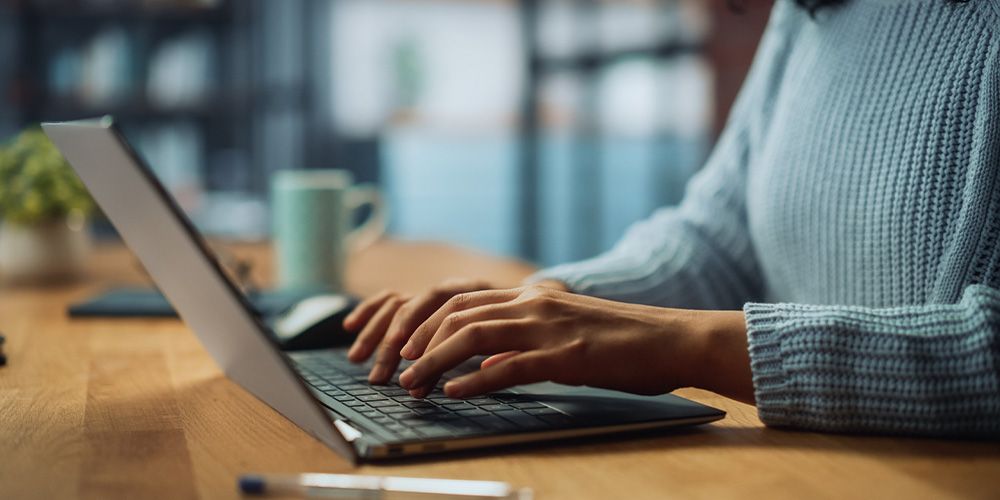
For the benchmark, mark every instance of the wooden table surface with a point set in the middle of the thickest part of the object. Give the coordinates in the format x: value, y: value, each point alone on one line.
x: 136, y: 409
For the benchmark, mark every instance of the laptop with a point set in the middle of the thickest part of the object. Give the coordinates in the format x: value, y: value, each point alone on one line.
x: 320, y: 390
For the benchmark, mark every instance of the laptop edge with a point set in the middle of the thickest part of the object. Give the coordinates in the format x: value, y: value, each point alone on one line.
x: 183, y: 268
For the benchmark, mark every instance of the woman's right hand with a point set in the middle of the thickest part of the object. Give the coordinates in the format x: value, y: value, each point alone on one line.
x: 387, y: 319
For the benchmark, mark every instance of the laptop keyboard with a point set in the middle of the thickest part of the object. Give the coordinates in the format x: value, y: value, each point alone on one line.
x: 391, y: 408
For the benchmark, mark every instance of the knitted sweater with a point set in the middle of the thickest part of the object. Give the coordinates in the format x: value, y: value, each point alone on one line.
x: 852, y: 209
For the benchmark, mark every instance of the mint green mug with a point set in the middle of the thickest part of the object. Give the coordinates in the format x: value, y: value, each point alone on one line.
x: 313, y: 214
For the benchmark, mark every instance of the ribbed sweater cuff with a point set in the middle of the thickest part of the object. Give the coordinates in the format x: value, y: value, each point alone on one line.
x: 927, y: 369
x: 770, y: 379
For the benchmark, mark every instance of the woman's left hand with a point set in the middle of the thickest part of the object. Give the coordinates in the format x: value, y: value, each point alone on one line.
x: 536, y: 334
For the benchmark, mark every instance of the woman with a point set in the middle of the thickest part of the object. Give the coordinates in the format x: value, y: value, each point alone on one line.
x: 836, y: 262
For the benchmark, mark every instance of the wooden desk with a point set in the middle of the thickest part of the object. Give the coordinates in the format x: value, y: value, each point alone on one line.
x: 136, y: 409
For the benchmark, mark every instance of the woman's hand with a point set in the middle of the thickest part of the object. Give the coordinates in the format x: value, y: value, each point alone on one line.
x: 387, y: 319
x: 539, y: 334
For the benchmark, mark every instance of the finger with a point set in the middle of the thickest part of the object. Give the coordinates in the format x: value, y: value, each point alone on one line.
x: 364, y: 311
x: 497, y: 359
x: 411, y: 315
x: 388, y: 357
x: 373, y: 331
x: 455, y: 322
x: 485, y: 337
x: 524, y: 368
x: 490, y: 361
x: 423, y: 334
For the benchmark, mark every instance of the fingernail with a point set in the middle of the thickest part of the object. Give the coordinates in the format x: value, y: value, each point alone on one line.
x: 407, y: 378
x: 352, y: 353
x: 454, y: 389
x: 407, y: 351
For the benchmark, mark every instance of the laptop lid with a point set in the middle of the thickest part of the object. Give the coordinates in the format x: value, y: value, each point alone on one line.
x: 188, y: 274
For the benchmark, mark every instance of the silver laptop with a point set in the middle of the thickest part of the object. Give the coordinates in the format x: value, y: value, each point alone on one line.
x: 321, y: 391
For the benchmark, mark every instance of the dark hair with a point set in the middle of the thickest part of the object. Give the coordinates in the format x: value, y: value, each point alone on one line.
x: 812, y: 5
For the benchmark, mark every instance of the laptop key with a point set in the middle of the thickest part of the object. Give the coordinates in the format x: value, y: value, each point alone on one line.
x: 481, y: 401
x: 507, y: 397
x: 356, y: 404
x: 473, y: 412
x: 427, y: 411
x: 527, y: 405
x: 394, y: 391
x: 382, y: 403
x: 418, y: 404
x: 396, y: 409
x: 495, y: 407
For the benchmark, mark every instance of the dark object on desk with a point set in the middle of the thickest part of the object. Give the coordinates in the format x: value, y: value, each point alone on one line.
x: 314, y: 323
x: 147, y: 302
x: 3, y: 357
x: 301, y: 319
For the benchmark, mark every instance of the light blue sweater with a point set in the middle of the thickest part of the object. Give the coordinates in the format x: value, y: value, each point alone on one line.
x: 852, y: 209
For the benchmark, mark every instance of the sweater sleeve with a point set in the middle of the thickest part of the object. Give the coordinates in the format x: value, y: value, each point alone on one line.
x: 931, y: 369
x: 697, y: 255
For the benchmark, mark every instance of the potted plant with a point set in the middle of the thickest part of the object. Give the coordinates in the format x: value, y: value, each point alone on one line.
x: 44, y: 210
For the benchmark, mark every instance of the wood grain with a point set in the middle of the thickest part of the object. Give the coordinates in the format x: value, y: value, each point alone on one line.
x: 136, y: 409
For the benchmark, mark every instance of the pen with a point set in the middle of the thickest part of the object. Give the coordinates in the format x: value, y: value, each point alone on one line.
x: 349, y: 486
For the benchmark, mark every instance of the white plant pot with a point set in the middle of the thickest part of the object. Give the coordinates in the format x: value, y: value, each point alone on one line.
x: 52, y: 251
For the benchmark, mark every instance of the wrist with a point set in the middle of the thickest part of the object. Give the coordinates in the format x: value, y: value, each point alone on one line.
x: 553, y: 284
x: 723, y: 357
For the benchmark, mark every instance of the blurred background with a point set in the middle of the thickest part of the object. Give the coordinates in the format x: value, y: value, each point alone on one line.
x: 538, y: 129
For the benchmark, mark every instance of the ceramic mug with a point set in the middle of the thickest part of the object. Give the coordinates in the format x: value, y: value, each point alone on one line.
x: 313, y: 213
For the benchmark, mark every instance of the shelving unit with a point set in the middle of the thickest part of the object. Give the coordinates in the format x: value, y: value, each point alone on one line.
x: 257, y: 68
x: 50, y: 30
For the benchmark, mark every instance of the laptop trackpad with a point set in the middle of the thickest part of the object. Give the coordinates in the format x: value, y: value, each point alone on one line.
x: 620, y: 407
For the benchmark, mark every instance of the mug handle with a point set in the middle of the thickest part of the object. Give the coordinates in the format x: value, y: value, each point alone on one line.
x: 371, y: 229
